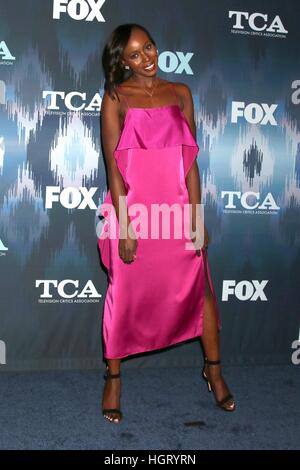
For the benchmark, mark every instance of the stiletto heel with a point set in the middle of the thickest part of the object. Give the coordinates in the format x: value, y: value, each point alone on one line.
x: 108, y: 376
x: 224, y: 404
x: 207, y: 381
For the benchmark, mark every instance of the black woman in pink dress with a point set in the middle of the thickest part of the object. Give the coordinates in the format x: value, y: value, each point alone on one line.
x: 160, y: 291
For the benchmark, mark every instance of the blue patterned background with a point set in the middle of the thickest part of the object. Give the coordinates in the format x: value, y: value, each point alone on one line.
x: 40, y: 148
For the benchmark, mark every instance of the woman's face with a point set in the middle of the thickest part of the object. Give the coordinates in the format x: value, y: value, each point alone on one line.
x: 139, y: 53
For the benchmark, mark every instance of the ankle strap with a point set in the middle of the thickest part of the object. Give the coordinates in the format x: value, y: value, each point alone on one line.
x: 111, y: 376
x: 212, y: 363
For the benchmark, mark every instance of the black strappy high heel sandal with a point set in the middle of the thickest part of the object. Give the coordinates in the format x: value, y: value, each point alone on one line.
x: 108, y: 376
x: 224, y: 404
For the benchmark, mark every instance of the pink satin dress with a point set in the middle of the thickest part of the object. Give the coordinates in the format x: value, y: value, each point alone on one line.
x: 157, y: 300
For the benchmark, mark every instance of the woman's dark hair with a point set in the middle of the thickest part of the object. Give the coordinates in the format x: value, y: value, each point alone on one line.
x: 114, y: 72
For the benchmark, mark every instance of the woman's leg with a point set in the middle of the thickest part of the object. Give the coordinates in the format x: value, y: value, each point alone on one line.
x: 211, y: 344
x: 112, y: 390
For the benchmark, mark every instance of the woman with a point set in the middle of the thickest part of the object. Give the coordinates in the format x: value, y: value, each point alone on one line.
x: 159, y: 293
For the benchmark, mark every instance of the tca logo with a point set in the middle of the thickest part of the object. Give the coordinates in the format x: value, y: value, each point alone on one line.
x: 177, y: 62
x: 87, y: 10
x: 68, y: 99
x: 249, y: 200
x: 244, y: 290
x: 70, y: 197
x: 257, y: 22
x: 5, y: 53
x: 254, y: 113
x: 88, y: 291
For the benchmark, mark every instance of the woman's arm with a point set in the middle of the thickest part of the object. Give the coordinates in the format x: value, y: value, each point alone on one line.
x: 110, y: 132
x: 193, y: 182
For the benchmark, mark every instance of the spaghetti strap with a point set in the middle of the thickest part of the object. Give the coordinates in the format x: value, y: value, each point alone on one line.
x: 126, y: 101
x: 174, y: 91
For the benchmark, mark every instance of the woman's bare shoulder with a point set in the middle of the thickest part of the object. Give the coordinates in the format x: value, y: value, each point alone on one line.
x: 182, y: 89
x: 183, y: 92
x: 110, y: 101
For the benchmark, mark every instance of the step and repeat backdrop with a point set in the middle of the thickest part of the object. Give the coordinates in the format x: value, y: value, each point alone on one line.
x: 241, y: 61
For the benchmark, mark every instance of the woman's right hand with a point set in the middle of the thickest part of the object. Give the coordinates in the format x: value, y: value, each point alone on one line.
x: 127, y: 249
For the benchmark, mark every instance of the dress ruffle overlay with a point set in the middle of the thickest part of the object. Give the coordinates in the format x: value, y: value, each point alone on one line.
x: 158, y: 299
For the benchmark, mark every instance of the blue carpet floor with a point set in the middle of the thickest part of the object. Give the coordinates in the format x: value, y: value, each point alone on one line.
x: 61, y: 410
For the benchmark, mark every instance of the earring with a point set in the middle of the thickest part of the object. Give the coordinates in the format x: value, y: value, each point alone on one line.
x: 127, y: 67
